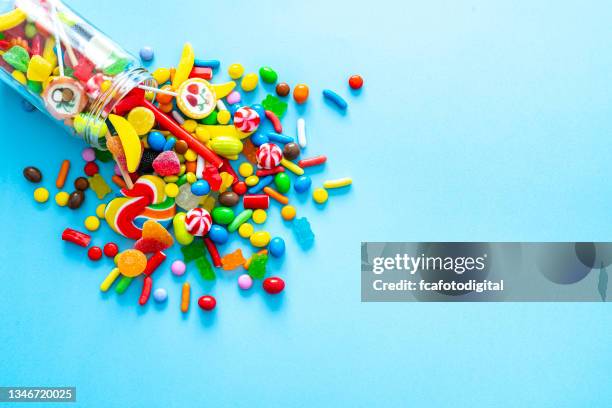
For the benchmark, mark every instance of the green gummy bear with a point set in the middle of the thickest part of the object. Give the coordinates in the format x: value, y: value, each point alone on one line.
x: 273, y: 104
x: 97, y: 184
x: 193, y: 251
x: 257, y: 269
x: 18, y: 58
x: 205, y: 269
x: 103, y: 155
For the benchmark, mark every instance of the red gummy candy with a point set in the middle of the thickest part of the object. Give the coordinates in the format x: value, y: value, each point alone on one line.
x: 167, y: 164
x: 149, y: 245
x: 212, y: 176
x: 91, y: 169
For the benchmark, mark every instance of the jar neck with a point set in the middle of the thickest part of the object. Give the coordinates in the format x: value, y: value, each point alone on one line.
x: 103, y: 105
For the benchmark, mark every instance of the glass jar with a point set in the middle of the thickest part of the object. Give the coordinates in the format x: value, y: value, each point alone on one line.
x: 78, y: 94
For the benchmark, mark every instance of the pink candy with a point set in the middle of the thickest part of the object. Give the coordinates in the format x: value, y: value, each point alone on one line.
x: 246, y: 120
x: 167, y: 164
x: 245, y: 282
x: 269, y: 155
x: 233, y: 97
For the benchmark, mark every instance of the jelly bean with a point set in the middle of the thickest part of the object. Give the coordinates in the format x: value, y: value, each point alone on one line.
x: 239, y: 188
x: 292, y: 167
x: 245, y: 282
x: 268, y: 75
x: 259, y: 216
x: 147, y: 53
x: 300, y: 93
x: 273, y: 285
x: 235, y: 71
x: 178, y: 268
x: 277, y: 247
x: 41, y: 195
x: 260, y: 239
x: 282, y: 89
x: 185, y: 295
x: 355, y: 81
x: 81, y: 183
x: 320, y: 195
x: 229, y: 199
x: 246, y: 230
x: 63, y: 174
x: 240, y: 219
x: 200, y: 188
x: 61, y: 198
x: 160, y: 295
x: 223, y: 215
x: 33, y: 175
x: 282, y: 182
x: 251, y: 180
x: 183, y: 237
x: 233, y: 98
x: 343, y: 182
x: 288, y: 212
x: 88, y: 154
x: 249, y: 82
x: 111, y: 249
x: 218, y: 234
x: 335, y: 99
x: 156, y: 141
x: 94, y: 253
x: 245, y: 169
x: 92, y: 223
x: 75, y: 200
x: 302, y: 184
x: 161, y: 76
x: 207, y: 303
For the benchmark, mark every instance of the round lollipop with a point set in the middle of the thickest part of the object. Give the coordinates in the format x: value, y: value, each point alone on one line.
x: 269, y: 155
x: 64, y: 98
x: 195, y: 98
x: 198, y: 221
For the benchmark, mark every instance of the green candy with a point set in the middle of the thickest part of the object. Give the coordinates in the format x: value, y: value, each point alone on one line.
x: 123, y: 284
x: 257, y: 269
x: 35, y: 86
x: 223, y: 215
x: 239, y: 220
x: 2, y: 36
x: 210, y: 119
x: 193, y: 251
x: 181, y: 180
x: 272, y: 103
x: 268, y: 75
x: 117, y: 67
x: 30, y: 30
x: 205, y: 268
x: 283, y: 182
x: 103, y: 155
x: 18, y: 58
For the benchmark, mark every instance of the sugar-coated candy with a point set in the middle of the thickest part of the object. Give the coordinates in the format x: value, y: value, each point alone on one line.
x: 88, y: 154
x: 282, y: 182
x: 288, y: 212
x: 245, y: 282
x: 160, y: 295
x: 91, y: 169
x: 131, y: 262
x: 303, y: 233
x: 355, y: 81
x: 111, y: 249
x: 320, y: 195
x: 81, y: 183
x: 207, y: 303
x: 249, y: 82
x: 282, y: 89
x: 260, y: 239
x: 218, y: 234
x: 41, y: 195
x: 223, y: 215
x: 200, y: 188
x: 302, y: 184
x: 268, y: 75
x: 229, y: 199
x: 61, y: 198
x: 17, y: 57
x: 233, y: 260
x: 198, y: 221
x: 99, y: 186
x: 300, y: 93
x: 276, y: 247
x: 205, y: 268
x: 32, y: 174
x: 94, y: 253
x: 156, y: 141
x: 92, y: 223
x: 246, y: 230
x: 235, y: 71
x: 259, y: 216
x: 167, y: 164
x: 257, y: 267
x: 147, y: 53
x: 291, y: 151
x: 178, y: 268
x: 273, y: 285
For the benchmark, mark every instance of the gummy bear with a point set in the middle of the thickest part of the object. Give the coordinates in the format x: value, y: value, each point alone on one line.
x: 131, y: 262
x: 17, y: 57
x: 233, y: 260
x: 97, y: 184
x: 193, y: 251
x: 211, y: 174
x: 303, y: 233
x: 167, y: 164
x: 154, y: 238
x: 257, y: 269
x: 272, y: 103
x: 205, y: 268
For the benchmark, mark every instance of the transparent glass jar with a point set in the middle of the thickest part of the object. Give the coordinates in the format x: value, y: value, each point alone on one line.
x: 97, y: 72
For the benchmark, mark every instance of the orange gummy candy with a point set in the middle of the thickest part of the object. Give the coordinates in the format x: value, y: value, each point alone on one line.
x: 153, y: 230
x: 233, y: 260
x: 131, y: 262
x: 250, y: 151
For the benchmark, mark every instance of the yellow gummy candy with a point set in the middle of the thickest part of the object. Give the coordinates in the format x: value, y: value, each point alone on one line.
x: 99, y: 186
x: 222, y: 90
x: 39, y: 69
x: 184, y: 67
x: 129, y: 140
x: 49, y: 52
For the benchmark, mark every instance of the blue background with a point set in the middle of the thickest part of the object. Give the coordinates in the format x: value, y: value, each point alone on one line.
x: 479, y: 120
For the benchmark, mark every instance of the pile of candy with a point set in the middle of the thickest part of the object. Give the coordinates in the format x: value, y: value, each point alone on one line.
x: 189, y: 159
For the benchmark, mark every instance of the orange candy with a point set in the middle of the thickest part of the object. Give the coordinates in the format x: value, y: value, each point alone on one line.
x: 233, y: 260
x: 131, y: 262
x: 163, y: 98
x: 300, y: 93
x: 154, y: 238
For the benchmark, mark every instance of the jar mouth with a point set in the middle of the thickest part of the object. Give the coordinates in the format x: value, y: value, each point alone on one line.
x: 95, y: 127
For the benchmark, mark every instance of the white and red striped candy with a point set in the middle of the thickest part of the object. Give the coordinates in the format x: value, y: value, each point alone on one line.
x: 198, y: 222
x: 246, y: 119
x: 269, y: 155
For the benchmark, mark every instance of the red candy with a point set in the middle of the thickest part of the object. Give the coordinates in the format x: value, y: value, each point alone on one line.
x: 201, y: 72
x: 154, y: 262
x: 312, y: 161
x: 254, y: 201
x: 356, y: 81
x: 207, y: 303
x: 273, y: 285
x: 167, y: 164
x: 214, y: 253
x: 91, y: 169
x: 146, y: 291
x: 240, y: 188
x: 76, y: 237
x: 111, y: 249
x: 94, y: 253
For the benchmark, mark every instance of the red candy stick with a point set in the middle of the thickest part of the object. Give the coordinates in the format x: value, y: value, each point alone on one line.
x: 269, y: 172
x: 312, y: 161
x: 154, y: 262
x: 76, y: 237
x: 201, y: 72
x: 136, y: 98
x: 212, y: 250
x: 278, y: 128
x: 146, y: 290
x: 255, y: 201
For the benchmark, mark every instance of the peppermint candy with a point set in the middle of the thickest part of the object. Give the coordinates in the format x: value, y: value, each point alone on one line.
x: 246, y: 120
x: 269, y: 156
x: 198, y: 222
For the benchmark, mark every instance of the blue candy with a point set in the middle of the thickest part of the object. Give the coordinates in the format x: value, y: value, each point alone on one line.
x: 260, y: 111
x: 146, y: 53
x: 335, y: 98
x: 279, y: 138
x: 156, y: 141
x: 258, y: 139
x: 303, y: 233
x: 264, y: 181
x: 277, y: 247
x: 302, y: 184
x: 218, y: 234
x: 160, y: 295
x: 200, y: 188
x: 170, y: 143
x: 214, y: 64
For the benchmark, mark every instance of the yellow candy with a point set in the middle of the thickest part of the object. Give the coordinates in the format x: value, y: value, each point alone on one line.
x: 92, y: 223
x: 171, y: 179
x: 213, y: 131
x: 12, y: 19
x: 235, y: 71
x: 224, y: 117
x: 184, y: 66
x: 245, y: 230
x: 129, y: 140
x: 222, y: 90
x: 41, y: 194
x: 191, y: 178
x: 251, y: 181
x: 161, y: 75
x: 202, y: 133
x: 292, y: 167
x: 245, y: 169
x: 110, y: 278
x: 249, y: 82
x: 100, y: 210
x: 39, y: 69
x: 226, y: 146
x: 149, y: 96
x: 226, y: 181
x: 61, y: 198
x: 343, y: 182
x: 180, y: 229
x: 142, y: 119
x: 49, y: 51
x: 260, y: 239
x: 171, y: 190
x: 288, y: 212
x: 208, y: 203
x: 320, y: 195
x: 182, y: 169
x: 190, y: 155
x: 104, y: 86
x: 259, y: 216
x: 20, y: 77
x: 190, y: 125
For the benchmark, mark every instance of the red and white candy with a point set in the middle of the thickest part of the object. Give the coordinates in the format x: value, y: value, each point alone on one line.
x: 246, y: 119
x: 269, y: 155
x: 198, y: 222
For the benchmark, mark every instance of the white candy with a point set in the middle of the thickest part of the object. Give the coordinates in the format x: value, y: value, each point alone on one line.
x: 301, y: 131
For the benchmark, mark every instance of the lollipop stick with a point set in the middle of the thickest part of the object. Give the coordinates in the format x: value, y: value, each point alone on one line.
x: 60, y: 32
x: 58, y: 43
x: 156, y: 90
